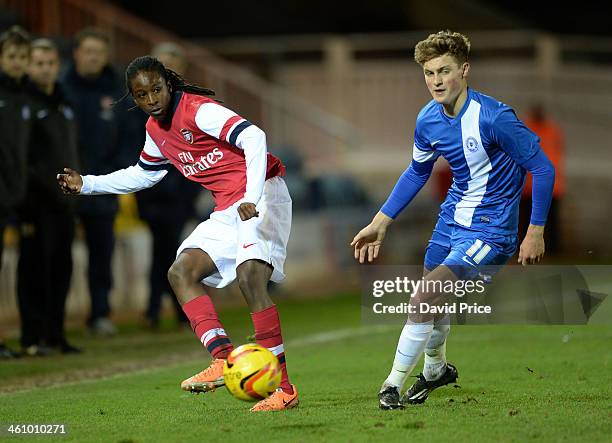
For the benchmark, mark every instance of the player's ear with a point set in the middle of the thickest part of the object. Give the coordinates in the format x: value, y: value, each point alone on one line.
x: 465, y: 69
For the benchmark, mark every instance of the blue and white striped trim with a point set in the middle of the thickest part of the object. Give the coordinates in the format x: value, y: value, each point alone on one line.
x: 478, y: 162
x: 478, y: 251
x: 423, y: 156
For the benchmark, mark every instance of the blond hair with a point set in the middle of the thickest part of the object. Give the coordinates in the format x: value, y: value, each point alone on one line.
x: 441, y: 43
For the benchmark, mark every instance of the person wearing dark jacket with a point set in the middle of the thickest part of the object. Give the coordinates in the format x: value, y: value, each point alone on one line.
x: 14, y: 131
x: 46, y: 215
x: 14, y: 121
x: 92, y: 86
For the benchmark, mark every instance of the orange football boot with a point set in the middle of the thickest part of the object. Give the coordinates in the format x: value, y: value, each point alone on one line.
x: 278, y: 401
x: 208, y: 380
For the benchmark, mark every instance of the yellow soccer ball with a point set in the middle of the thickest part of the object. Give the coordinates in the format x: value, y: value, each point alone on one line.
x: 251, y: 372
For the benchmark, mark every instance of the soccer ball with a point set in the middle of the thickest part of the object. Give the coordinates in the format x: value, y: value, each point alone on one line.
x: 251, y: 372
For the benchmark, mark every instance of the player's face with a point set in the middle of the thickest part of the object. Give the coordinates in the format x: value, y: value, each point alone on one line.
x: 445, y: 79
x: 151, y: 93
x: 44, y: 67
x: 14, y: 60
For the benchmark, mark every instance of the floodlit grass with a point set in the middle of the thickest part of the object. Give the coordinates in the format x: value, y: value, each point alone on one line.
x: 517, y: 383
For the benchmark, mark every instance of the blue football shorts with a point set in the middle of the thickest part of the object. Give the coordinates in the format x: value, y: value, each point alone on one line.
x: 469, y: 254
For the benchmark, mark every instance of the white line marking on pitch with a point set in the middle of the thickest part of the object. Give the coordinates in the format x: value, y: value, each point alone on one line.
x: 308, y: 340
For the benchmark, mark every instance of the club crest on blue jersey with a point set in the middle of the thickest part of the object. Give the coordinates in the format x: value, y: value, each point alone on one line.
x: 471, y: 144
x: 187, y: 135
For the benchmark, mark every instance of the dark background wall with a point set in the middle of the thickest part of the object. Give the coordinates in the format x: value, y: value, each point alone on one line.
x: 246, y: 17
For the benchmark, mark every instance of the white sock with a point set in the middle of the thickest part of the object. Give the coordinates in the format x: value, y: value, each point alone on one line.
x: 411, y: 343
x: 435, y: 351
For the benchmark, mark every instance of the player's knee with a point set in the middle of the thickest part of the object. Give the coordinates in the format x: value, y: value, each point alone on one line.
x: 245, y: 280
x: 251, y: 280
x: 178, y: 276
x: 247, y: 268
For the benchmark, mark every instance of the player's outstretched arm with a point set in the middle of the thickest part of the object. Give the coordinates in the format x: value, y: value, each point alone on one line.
x: 123, y: 181
x: 368, y: 241
x: 70, y: 182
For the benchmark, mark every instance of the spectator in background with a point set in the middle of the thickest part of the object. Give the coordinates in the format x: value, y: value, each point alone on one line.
x: 92, y: 86
x: 166, y: 208
x: 552, y: 141
x: 14, y: 129
x: 47, y: 216
x: 171, y: 55
x: 14, y: 121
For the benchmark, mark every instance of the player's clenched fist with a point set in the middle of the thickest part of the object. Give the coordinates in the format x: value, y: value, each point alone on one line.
x: 70, y: 182
x: 247, y: 211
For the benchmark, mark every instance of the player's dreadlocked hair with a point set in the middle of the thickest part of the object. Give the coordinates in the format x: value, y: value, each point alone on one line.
x: 151, y: 64
x: 441, y: 43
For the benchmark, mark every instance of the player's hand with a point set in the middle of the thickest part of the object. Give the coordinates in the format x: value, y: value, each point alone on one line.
x: 247, y: 211
x: 368, y: 241
x: 71, y: 182
x: 532, y: 248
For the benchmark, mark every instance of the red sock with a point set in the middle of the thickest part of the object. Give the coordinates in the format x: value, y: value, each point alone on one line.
x: 207, y: 327
x: 268, y: 334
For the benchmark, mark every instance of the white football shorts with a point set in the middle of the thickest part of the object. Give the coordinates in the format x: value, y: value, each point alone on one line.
x: 229, y: 241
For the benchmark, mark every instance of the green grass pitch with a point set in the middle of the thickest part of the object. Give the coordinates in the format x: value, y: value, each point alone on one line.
x: 517, y: 383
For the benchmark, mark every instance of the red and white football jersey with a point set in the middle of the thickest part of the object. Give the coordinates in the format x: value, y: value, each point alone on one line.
x: 211, y: 145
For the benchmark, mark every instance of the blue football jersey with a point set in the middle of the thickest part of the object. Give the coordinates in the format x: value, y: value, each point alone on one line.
x: 485, y: 146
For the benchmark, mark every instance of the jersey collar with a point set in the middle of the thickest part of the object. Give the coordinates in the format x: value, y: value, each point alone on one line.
x: 454, y: 120
x: 176, y: 99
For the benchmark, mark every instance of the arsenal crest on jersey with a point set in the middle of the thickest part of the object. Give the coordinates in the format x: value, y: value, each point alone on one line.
x: 187, y: 135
